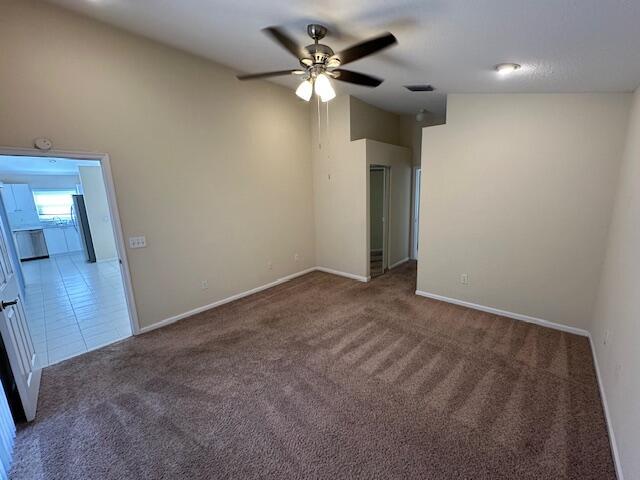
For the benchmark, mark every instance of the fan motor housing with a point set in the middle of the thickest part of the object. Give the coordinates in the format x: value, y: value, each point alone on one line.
x: 319, y: 53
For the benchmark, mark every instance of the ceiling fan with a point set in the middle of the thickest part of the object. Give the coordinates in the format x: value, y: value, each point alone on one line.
x: 319, y: 63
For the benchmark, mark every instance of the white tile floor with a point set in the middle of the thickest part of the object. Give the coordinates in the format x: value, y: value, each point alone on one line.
x: 73, y: 306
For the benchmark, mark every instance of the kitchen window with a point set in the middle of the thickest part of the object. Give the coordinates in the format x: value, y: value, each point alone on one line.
x: 53, y: 204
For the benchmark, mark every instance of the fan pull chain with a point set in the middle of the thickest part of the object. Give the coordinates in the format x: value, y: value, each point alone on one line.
x: 319, y: 124
x: 327, y: 132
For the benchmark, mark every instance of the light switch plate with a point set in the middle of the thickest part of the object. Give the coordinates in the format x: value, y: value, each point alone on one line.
x: 137, y: 242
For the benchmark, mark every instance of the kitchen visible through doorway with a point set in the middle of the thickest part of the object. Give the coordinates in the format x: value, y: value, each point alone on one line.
x: 63, y: 244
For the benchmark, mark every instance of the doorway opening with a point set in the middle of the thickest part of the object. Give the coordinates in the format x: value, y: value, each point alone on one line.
x: 63, y: 235
x: 415, y: 213
x: 378, y: 220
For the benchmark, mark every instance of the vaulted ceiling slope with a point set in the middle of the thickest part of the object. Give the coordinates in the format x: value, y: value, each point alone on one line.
x: 563, y: 45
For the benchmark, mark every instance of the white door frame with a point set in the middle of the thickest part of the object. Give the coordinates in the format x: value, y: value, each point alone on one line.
x: 415, y: 211
x: 386, y: 239
x: 103, y: 158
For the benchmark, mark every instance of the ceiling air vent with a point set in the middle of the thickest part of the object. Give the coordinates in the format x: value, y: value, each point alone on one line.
x: 419, y: 88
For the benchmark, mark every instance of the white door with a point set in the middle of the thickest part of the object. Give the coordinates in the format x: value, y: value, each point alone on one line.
x: 15, y: 333
x: 386, y: 218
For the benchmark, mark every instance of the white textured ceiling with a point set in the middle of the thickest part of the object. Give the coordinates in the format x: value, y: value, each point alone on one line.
x: 563, y: 45
x: 17, y: 165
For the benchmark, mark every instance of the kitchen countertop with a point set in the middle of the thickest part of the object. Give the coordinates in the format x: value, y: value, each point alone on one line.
x: 40, y: 227
x: 23, y: 229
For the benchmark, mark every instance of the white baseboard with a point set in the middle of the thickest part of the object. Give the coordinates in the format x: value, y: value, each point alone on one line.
x: 175, y: 318
x: 399, y: 263
x: 360, y: 278
x: 607, y: 417
x: 505, y: 313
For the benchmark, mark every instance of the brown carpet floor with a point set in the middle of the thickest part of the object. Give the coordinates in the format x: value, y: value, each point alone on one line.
x: 325, y: 377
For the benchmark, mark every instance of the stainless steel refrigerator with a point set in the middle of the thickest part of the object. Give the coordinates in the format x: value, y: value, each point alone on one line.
x: 81, y: 224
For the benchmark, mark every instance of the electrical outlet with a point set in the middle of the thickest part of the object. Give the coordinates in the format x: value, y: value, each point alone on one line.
x: 137, y: 242
x: 606, y: 337
x: 464, y: 279
x: 270, y: 265
x: 296, y: 257
x: 205, y: 284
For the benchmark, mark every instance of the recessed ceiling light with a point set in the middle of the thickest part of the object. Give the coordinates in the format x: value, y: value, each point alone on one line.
x: 506, y: 68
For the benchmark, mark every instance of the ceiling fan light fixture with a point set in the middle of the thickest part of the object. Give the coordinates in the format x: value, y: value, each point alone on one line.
x: 319, y: 64
x: 323, y: 88
x: 329, y: 96
x: 305, y: 90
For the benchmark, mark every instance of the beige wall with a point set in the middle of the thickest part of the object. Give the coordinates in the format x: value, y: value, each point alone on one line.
x: 399, y: 160
x: 367, y: 121
x: 339, y: 188
x: 215, y: 172
x: 411, y: 137
x: 517, y: 191
x: 341, y: 191
x: 95, y: 200
x: 411, y: 134
x: 617, y: 310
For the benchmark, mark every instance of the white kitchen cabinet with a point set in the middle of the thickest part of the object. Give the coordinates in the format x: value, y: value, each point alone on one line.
x: 62, y: 239
x: 24, y: 197
x: 73, y: 239
x: 56, y: 241
x: 7, y: 198
x: 20, y: 206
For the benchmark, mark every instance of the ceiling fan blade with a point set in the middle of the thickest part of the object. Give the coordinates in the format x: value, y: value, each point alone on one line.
x: 253, y: 76
x: 357, y: 78
x: 365, y: 48
x: 281, y: 37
